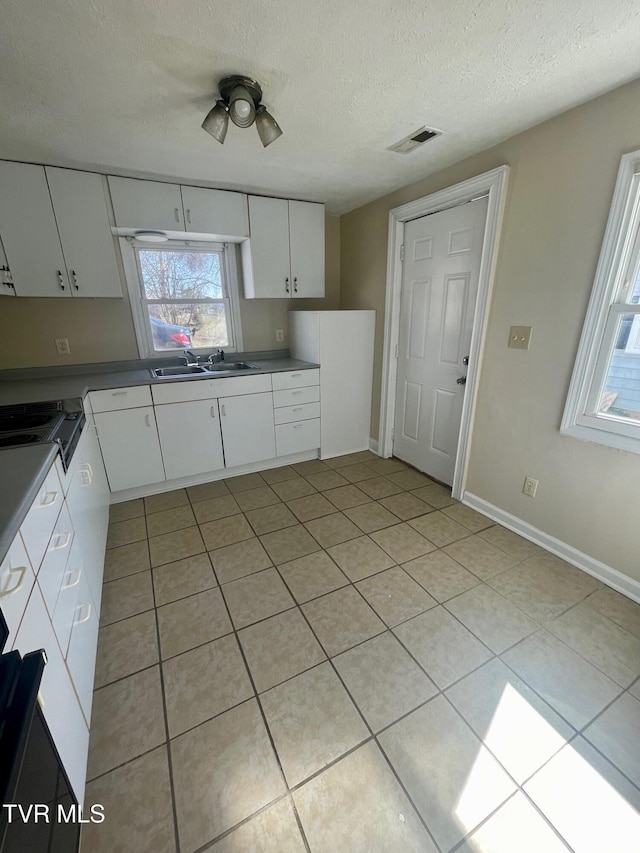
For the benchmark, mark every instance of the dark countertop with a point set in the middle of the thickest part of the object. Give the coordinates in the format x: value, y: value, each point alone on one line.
x: 22, y: 472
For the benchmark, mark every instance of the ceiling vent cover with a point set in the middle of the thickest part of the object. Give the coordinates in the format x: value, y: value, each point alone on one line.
x: 414, y: 140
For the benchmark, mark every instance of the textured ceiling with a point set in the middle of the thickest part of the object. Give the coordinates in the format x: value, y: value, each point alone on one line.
x: 123, y: 85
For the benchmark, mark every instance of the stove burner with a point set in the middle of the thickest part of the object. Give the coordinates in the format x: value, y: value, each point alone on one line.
x: 24, y: 421
x: 19, y: 438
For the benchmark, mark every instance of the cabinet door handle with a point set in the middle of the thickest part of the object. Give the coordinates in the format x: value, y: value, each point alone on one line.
x: 62, y: 540
x: 77, y: 620
x: 286, y: 285
x: 297, y: 409
x: 74, y: 278
x: 213, y: 411
x: 48, y: 499
x: 189, y: 215
x: 147, y: 420
x: 21, y: 571
x: 176, y: 210
x: 74, y: 579
x: 60, y: 279
x: 223, y: 411
x: 295, y: 285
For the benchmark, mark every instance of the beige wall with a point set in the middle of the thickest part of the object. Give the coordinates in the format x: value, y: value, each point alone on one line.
x: 560, y: 188
x: 102, y: 329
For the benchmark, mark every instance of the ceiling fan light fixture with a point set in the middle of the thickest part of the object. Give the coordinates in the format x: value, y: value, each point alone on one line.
x: 268, y: 128
x: 239, y: 101
x: 216, y: 122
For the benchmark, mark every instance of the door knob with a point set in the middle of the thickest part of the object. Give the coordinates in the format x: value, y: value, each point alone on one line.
x: 465, y: 360
x: 462, y: 380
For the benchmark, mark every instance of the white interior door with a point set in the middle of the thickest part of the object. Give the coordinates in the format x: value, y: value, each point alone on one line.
x: 439, y: 286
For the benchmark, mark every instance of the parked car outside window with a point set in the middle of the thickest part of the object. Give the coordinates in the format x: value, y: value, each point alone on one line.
x: 168, y: 335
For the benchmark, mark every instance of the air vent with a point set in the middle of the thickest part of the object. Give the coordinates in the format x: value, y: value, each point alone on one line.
x: 414, y: 140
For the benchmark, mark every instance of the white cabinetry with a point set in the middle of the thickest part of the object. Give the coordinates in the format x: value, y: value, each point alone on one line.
x: 342, y: 342
x: 55, y: 232
x: 285, y: 254
x: 16, y: 583
x: 170, y: 207
x: 128, y: 436
x: 190, y: 437
x: 247, y: 428
x: 296, y: 411
x: 80, y: 206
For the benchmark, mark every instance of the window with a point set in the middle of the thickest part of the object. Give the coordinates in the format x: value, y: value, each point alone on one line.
x: 184, y: 296
x: 604, y: 396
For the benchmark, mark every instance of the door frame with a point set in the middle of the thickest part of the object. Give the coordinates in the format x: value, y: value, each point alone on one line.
x: 493, y: 184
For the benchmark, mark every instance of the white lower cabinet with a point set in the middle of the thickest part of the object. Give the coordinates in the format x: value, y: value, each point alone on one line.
x: 16, y: 583
x: 296, y: 437
x: 81, y: 656
x: 190, y: 438
x: 248, y: 432
x: 59, y: 702
x: 130, y: 447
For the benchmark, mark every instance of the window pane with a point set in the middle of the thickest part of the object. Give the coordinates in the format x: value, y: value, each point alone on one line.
x: 180, y: 275
x: 621, y: 396
x: 180, y: 325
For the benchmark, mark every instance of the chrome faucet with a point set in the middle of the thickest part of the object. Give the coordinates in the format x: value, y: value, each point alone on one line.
x: 216, y: 357
x: 190, y: 358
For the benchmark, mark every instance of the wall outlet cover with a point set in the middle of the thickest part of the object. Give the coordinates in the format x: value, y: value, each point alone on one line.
x: 62, y: 346
x: 279, y: 335
x: 519, y: 337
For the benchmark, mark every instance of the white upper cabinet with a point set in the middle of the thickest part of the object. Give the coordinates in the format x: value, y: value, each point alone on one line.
x: 80, y: 207
x: 215, y: 212
x: 285, y: 255
x: 29, y: 232
x: 151, y: 205
x: 156, y: 206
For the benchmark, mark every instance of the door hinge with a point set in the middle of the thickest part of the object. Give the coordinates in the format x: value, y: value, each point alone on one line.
x: 402, y: 252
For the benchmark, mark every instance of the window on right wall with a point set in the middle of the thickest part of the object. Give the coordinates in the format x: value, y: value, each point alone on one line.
x: 604, y: 396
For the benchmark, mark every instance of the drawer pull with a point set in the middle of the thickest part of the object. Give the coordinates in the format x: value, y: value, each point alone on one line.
x: 119, y: 393
x: 297, y: 409
x: 48, y: 499
x: 298, y: 426
x: 295, y: 375
x: 21, y: 571
x: 62, y: 540
x: 294, y: 393
x: 78, y: 620
x: 74, y: 581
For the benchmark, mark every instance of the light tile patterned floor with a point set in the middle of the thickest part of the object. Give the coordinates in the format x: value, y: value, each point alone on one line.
x: 336, y: 657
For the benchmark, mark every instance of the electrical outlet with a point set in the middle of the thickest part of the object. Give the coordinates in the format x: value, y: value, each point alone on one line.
x: 520, y: 337
x: 530, y: 487
x: 62, y: 346
x: 279, y: 335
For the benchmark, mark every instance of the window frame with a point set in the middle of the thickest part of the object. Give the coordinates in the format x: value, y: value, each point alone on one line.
x: 620, y: 249
x: 142, y: 327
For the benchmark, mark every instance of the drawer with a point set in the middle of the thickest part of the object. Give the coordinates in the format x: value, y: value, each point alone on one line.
x: 65, y: 609
x: 186, y: 392
x: 16, y: 583
x: 52, y: 571
x: 295, y: 379
x: 303, y: 412
x: 296, y: 396
x: 41, y: 518
x: 81, y: 656
x: 234, y: 386
x: 296, y: 437
x: 120, y: 398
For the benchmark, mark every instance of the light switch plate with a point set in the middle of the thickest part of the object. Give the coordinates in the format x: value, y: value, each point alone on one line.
x: 520, y: 337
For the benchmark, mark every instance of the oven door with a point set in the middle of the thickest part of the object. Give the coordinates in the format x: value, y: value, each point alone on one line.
x: 32, y: 778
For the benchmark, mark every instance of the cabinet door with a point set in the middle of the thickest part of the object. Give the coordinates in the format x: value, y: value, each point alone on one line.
x: 130, y: 448
x: 80, y: 206
x: 248, y: 433
x: 190, y: 438
x: 29, y: 232
x: 146, y: 205
x: 306, y: 233
x: 215, y: 212
x: 266, y: 255
x: 6, y: 282
x: 16, y: 583
x: 81, y: 656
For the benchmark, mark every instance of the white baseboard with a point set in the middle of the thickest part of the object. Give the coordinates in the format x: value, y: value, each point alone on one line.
x: 608, y: 575
x: 373, y: 446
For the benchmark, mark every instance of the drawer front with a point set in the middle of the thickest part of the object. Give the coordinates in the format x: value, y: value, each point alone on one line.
x: 120, y: 398
x: 233, y: 386
x: 296, y: 396
x: 64, y: 612
x: 296, y: 379
x: 186, y: 392
x: 296, y: 437
x: 81, y: 656
x: 16, y: 583
x: 52, y: 571
x: 289, y: 414
x: 37, y: 527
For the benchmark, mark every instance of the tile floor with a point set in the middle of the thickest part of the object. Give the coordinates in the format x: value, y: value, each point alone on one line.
x: 335, y: 656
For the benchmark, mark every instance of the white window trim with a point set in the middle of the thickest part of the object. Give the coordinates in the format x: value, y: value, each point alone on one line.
x: 143, y: 343
x: 592, y: 359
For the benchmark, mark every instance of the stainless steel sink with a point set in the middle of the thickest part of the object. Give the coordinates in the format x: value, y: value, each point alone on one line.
x: 227, y: 366
x: 180, y: 370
